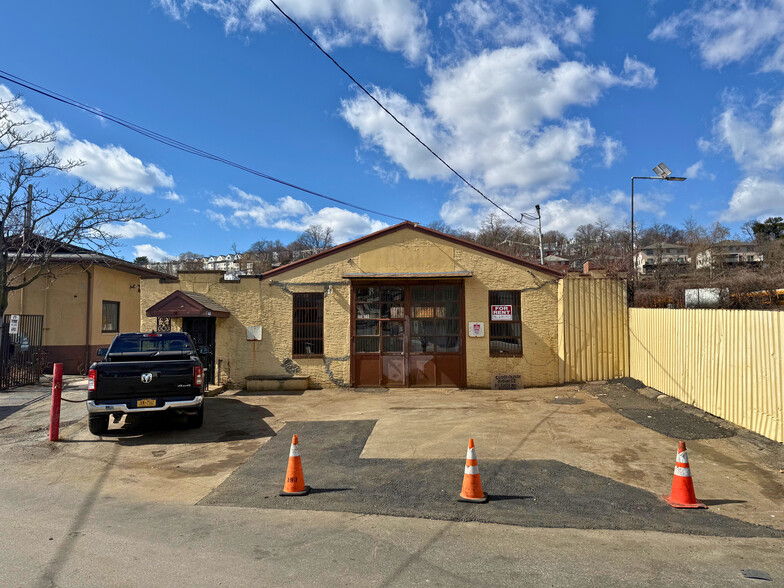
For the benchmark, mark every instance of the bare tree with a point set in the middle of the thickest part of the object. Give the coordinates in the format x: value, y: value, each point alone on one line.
x: 315, y: 238
x: 37, y: 221
x: 190, y: 261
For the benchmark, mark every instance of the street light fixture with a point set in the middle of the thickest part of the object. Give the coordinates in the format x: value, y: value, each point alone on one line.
x: 662, y: 173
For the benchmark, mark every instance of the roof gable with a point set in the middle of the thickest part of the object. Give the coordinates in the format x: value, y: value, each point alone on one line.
x: 420, y: 229
x: 189, y: 304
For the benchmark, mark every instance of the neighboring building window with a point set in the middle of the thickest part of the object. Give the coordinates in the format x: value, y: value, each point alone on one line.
x: 308, y: 324
x: 506, y: 327
x: 110, y: 317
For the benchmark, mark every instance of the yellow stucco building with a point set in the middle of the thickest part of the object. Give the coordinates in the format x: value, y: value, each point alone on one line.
x: 81, y: 303
x: 405, y: 306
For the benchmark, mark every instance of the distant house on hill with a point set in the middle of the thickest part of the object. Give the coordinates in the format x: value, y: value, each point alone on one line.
x: 660, y: 255
x: 729, y: 253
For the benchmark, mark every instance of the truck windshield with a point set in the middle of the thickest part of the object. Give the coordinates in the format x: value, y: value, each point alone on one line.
x: 151, y: 343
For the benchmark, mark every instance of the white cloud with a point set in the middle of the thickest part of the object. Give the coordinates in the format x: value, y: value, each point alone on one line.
x: 174, y: 197
x: 113, y: 167
x: 697, y: 171
x: 756, y: 141
x: 152, y: 252
x: 503, y: 118
x: 730, y: 31
x: 613, y: 150
x: 108, y: 167
x: 755, y: 197
x: 287, y: 213
x: 397, y: 25
x: 487, y: 23
x: 132, y: 230
x: 653, y: 203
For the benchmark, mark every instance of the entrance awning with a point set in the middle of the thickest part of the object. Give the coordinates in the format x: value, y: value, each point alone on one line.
x: 409, y: 276
x: 191, y: 304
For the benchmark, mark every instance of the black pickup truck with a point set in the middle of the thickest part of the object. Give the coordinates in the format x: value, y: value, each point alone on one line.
x: 146, y: 372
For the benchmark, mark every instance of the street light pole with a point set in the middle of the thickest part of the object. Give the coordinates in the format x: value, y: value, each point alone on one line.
x: 664, y: 173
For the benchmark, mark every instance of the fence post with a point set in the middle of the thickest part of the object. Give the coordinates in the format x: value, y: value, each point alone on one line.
x: 57, y: 390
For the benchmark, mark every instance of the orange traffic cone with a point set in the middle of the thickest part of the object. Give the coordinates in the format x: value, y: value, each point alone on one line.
x: 682, y: 493
x: 295, y: 481
x: 472, y: 484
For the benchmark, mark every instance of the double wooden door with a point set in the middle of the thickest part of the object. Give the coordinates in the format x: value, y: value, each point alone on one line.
x: 408, y: 334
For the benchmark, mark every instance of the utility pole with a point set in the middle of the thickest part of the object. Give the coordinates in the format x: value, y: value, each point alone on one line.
x: 541, y: 246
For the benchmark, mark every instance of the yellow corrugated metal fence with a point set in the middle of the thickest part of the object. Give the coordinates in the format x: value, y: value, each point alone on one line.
x: 593, y: 330
x: 729, y: 363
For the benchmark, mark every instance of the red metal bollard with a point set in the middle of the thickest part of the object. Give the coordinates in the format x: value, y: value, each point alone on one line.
x: 57, y: 391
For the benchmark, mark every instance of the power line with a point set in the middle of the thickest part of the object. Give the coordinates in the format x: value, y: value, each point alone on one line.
x: 155, y: 136
x: 397, y: 120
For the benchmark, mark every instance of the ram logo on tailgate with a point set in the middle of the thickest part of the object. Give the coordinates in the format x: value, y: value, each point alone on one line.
x: 147, y: 378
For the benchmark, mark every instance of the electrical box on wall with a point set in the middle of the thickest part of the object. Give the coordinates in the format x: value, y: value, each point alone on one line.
x: 254, y: 333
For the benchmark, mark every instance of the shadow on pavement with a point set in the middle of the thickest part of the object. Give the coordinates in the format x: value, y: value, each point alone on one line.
x: 225, y: 419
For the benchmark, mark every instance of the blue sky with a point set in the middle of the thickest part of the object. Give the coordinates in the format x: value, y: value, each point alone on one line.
x: 557, y: 105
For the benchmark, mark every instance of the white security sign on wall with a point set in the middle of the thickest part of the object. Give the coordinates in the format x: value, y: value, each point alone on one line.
x: 500, y: 312
x: 254, y: 333
x: 476, y: 329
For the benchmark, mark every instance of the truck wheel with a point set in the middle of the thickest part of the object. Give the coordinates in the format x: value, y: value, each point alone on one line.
x: 194, y: 421
x: 98, y: 423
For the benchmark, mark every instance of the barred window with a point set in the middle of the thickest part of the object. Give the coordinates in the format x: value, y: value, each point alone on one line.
x: 110, y: 317
x: 505, y: 324
x: 308, y: 339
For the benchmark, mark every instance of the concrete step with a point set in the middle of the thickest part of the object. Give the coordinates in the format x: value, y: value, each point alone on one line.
x: 277, y: 383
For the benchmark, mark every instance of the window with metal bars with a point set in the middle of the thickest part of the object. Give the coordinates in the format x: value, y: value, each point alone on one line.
x: 506, y: 326
x: 308, y: 320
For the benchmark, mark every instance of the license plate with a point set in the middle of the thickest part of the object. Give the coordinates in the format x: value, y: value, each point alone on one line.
x: 145, y: 403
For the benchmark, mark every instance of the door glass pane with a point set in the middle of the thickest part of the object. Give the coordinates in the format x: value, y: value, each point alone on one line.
x: 367, y: 310
x: 422, y: 294
x: 451, y: 292
x: 420, y: 327
x: 367, y: 295
x: 448, y: 327
x: 423, y: 311
x: 392, y: 328
x: 393, y: 344
x: 448, y: 344
x: 422, y: 344
x: 392, y: 294
x: 367, y: 328
x: 367, y: 344
x: 394, y: 310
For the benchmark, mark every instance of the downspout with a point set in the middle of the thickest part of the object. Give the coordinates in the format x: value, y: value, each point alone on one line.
x: 87, y: 322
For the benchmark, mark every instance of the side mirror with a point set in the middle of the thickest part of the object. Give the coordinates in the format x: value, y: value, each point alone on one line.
x: 204, y: 350
x: 102, y: 352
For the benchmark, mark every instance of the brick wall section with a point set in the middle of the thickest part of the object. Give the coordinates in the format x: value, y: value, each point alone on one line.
x: 268, y: 302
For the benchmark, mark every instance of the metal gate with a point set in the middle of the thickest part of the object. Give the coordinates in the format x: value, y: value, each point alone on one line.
x: 21, y: 353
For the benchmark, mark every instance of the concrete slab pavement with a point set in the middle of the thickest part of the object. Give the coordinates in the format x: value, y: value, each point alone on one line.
x: 63, y: 537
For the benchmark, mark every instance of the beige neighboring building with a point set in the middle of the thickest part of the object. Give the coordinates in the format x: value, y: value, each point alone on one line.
x: 661, y: 255
x: 406, y: 306
x: 729, y: 253
x: 85, y: 301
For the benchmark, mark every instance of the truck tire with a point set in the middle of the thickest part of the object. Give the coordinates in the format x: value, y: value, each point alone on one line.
x: 194, y: 421
x: 98, y: 423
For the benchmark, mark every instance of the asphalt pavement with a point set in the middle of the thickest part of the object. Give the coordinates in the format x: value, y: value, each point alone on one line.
x: 531, y: 493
